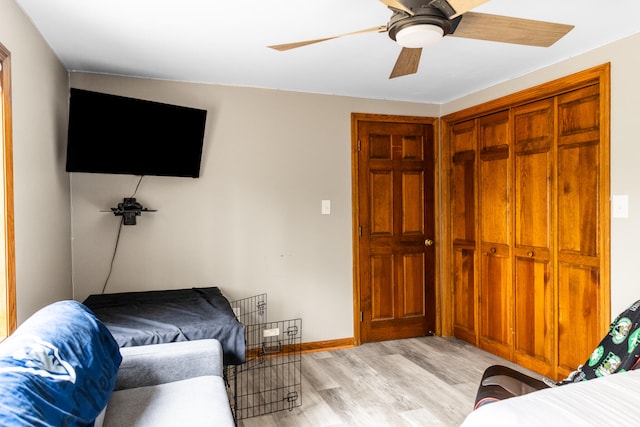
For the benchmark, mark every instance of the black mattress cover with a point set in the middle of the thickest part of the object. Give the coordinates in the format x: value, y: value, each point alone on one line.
x: 154, y: 317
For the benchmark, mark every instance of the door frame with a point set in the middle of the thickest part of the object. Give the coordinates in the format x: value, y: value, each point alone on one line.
x: 8, y: 316
x: 356, y: 118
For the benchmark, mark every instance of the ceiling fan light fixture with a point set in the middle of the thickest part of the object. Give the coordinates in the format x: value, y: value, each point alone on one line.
x: 419, y: 36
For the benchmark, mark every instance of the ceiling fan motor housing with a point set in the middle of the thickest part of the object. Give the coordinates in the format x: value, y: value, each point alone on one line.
x: 423, y: 14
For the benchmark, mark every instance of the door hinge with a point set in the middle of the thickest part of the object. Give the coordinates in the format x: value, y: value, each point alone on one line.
x: 358, y: 145
x: 360, y: 230
x: 362, y: 316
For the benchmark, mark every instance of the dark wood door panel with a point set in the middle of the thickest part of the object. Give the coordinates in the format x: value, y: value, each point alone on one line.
x: 396, y: 222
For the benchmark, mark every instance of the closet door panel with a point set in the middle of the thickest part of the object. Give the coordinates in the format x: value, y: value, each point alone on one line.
x: 463, y: 193
x: 533, y: 326
x: 581, y: 306
x: 533, y: 280
x: 578, y: 199
x: 463, y: 188
x: 579, y: 330
x: 579, y: 173
x: 495, y: 301
x: 464, y: 316
x: 495, y: 290
x: 494, y: 131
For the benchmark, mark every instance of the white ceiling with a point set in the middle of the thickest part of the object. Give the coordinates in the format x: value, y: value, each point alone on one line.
x: 223, y: 42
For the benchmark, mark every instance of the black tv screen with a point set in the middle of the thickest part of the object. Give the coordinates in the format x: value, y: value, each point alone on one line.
x: 119, y: 135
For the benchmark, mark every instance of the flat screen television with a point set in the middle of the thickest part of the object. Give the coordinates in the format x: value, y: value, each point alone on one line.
x: 119, y: 135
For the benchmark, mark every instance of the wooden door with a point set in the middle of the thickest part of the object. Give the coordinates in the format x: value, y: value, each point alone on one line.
x: 463, y: 208
x: 534, y: 337
x: 494, y: 291
x: 541, y: 269
x: 582, y: 208
x: 395, y: 223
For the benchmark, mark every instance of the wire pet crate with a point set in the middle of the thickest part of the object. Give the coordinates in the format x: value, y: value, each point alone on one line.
x: 271, y: 378
x: 251, y: 310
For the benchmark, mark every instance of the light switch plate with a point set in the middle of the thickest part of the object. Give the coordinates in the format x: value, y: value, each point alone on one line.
x: 326, y: 207
x: 620, y: 206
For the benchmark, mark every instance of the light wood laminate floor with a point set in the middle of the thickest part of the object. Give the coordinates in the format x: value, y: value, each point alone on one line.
x: 428, y: 381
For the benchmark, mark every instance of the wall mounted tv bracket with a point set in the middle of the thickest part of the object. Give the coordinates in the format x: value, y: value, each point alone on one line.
x: 129, y: 209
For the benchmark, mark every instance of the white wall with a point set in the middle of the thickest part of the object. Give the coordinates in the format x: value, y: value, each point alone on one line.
x: 251, y: 223
x: 42, y: 226
x: 625, y: 149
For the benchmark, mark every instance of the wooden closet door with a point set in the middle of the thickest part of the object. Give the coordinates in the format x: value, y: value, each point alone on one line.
x: 582, y: 300
x: 495, y: 293
x: 463, y: 199
x: 541, y: 244
x: 533, y: 224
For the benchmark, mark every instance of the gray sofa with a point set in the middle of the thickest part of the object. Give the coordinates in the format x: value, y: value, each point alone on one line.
x: 62, y: 367
x: 172, y: 384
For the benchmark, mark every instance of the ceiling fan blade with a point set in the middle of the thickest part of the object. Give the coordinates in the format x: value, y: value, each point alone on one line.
x: 407, y: 62
x: 395, y: 4
x: 288, y: 46
x: 457, y: 7
x: 505, y: 29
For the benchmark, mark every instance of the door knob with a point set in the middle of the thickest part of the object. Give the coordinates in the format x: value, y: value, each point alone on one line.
x: 428, y: 242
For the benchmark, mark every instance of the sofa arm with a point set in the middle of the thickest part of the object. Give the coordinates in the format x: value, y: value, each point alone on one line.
x: 155, y: 364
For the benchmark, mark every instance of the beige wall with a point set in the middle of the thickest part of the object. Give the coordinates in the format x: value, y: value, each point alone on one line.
x: 625, y: 149
x: 252, y: 222
x: 42, y: 226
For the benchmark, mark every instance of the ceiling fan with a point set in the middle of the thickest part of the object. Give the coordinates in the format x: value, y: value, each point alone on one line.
x: 417, y: 24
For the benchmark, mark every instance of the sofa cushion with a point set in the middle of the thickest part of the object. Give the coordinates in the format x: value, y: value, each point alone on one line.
x: 58, y: 368
x: 154, y: 364
x: 195, y: 402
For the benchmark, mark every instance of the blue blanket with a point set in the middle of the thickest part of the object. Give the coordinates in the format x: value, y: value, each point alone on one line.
x: 57, y: 369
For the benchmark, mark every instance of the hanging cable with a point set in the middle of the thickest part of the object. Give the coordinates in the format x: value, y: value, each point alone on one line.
x: 113, y: 258
x: 137, y: 186
x: 115, y: 249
